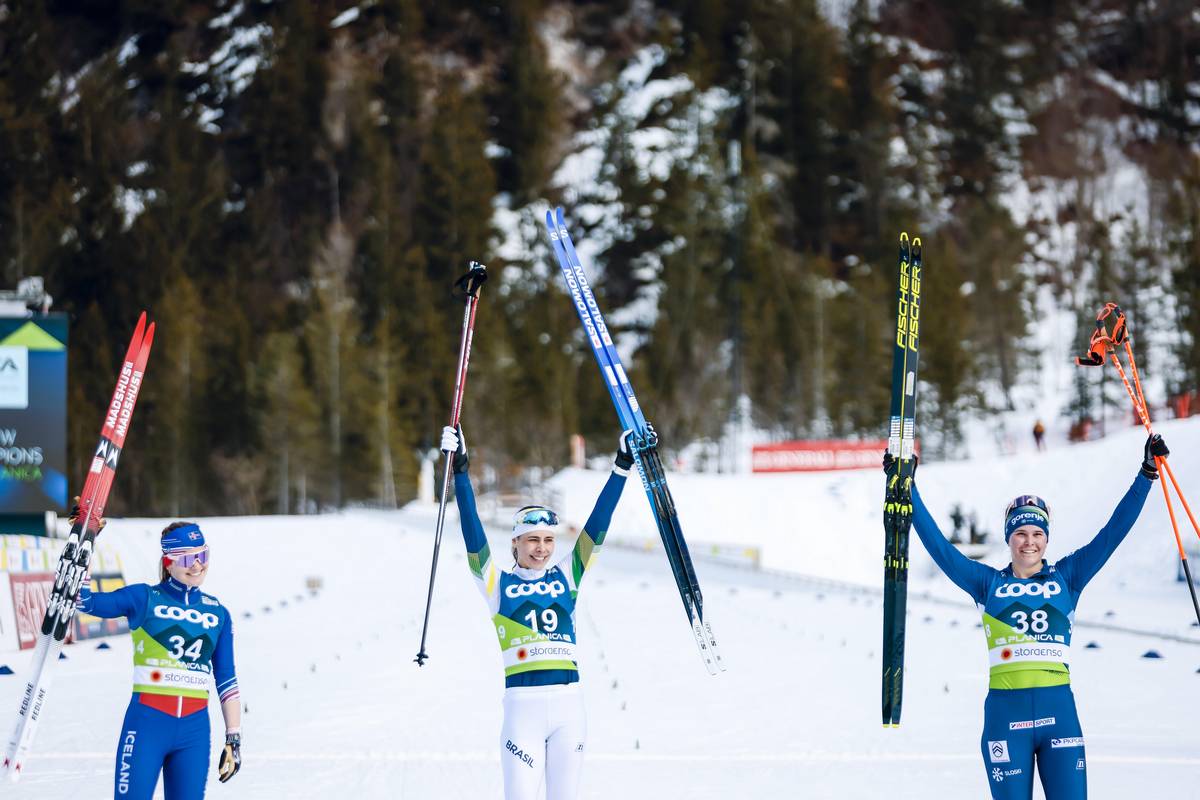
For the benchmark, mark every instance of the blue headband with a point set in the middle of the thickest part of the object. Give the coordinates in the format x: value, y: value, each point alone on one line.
x: 1026, y: 515
x: 183, y: 538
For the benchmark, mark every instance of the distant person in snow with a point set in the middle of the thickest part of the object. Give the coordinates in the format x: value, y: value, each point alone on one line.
x: 956, y: 519
x: 1028, y: 608
x: 977, y: 536
x: 182, y: 640
x: 1039, y: 435
x: 533, y: 609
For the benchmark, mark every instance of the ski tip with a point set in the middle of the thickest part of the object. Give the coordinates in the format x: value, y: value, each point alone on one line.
x: 904, y: 236
x: 916, y: 241
x: 558, y: 213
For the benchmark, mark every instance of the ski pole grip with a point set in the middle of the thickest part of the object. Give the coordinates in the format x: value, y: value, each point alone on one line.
x: 476, y: 276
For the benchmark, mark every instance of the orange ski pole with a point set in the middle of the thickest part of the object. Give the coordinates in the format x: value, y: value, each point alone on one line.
x: 1163, y: 465
x: 1101, y: 344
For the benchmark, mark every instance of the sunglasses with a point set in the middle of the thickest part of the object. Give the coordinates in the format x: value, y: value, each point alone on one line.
x: 1031, y: 500
x: 535, y: 515
x: 186, y: 560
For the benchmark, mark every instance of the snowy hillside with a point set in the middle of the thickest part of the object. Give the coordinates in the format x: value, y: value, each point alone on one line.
x: 829, y: 525
x: 335, y: 704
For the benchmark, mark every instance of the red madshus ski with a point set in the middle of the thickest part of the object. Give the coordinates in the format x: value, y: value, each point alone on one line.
x: 76, y: 557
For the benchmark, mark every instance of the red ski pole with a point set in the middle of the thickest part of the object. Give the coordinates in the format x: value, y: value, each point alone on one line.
x: 470, y: 284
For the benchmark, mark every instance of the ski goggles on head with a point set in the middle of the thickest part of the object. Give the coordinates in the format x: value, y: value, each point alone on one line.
x: 1027, y: 509
x: 533, y: 518
x: 186, y: 560
x: 1028, y: 500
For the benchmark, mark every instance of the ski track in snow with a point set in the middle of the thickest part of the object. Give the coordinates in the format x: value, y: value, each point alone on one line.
x: 335, y: 704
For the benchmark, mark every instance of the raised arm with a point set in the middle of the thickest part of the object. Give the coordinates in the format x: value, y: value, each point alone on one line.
x: 128, y: 601
x: 1079, y: 567
x: 587, y: 547
x: 970, y: 576
x: 479, y: 555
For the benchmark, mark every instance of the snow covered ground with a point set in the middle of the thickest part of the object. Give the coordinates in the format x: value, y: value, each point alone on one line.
x: 335, y: 705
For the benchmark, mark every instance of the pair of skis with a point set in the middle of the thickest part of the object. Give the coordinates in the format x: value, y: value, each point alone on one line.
x: 76, y: 557
x: 897, y: 504
x: 644, y: 440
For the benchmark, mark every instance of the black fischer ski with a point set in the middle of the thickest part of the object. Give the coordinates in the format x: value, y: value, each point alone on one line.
x: 645, y: 441
x: 897, y: 504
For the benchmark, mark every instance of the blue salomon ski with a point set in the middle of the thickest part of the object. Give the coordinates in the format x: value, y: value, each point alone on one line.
x: 645, y: 441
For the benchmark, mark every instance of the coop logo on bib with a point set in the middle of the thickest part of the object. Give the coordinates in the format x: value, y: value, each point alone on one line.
x: 553, y: 588
x: 1033, y: 589
x: 187, y: 615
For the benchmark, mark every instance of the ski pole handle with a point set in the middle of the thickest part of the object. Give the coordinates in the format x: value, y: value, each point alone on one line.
x: 475, y: 277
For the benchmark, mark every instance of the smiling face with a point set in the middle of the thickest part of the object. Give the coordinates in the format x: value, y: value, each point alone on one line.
x: 1027, y: 545
x: 534, y: 549
x: 191, y: 575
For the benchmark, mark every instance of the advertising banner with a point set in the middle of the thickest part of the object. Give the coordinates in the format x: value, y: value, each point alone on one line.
x: 31, y: 595
x: 88, y: 627
x: 33, y: 414
x: 817, y: 456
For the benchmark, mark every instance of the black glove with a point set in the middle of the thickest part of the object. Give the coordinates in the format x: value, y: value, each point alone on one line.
x: 624, y: 459
x: 1155, y: 446
x: 231, y: 757
x: 453, y: 441
x: 890, y: 464
x: 73, y: 516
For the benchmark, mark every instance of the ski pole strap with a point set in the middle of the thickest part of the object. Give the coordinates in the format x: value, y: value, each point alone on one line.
x: 475, y: 277
x: 1120, y: 328
x: 1102, y: 341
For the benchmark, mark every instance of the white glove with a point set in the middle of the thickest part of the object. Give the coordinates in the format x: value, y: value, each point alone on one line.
x: 449, y: 439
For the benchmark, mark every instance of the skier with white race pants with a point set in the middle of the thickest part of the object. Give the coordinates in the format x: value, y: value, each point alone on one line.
x: 533, y: 608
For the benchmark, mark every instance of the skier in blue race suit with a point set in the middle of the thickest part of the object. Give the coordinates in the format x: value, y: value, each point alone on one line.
x: 182, y: 641
x: 533, y: 608
x: 1028, y: 612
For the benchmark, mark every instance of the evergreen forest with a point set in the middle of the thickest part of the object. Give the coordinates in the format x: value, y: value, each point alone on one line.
x: 291, y: 188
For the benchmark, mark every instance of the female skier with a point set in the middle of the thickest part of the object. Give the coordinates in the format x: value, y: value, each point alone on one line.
x: 1028, y: 610
x: 182, y: 639
x: 533, y: 608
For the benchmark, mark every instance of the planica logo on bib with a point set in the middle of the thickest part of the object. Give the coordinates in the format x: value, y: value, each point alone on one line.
x: 1033, y: 589
x: 187, y: 615
x: 553, y: 588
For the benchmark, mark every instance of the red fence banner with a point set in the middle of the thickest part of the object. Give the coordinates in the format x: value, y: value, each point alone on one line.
x: 816, y: 455
x: 31, y: 595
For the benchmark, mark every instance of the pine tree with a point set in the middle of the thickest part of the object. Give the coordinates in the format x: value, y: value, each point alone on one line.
x: 523, y: 105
